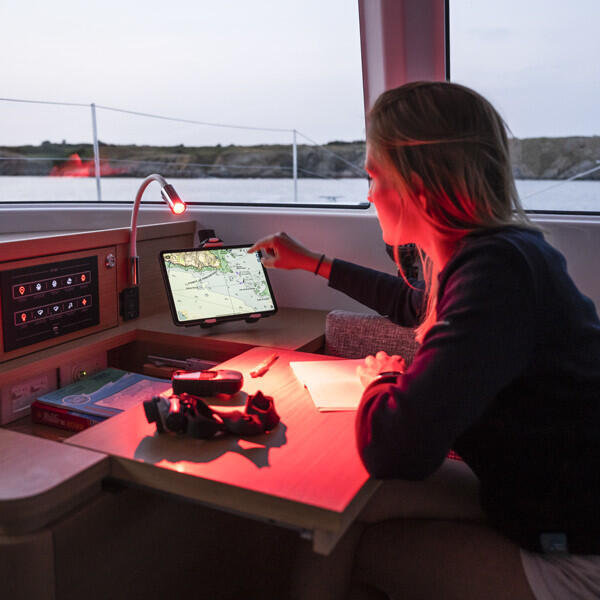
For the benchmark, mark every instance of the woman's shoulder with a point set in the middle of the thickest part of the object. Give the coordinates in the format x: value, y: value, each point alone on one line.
x: 516, y: 255
x: 515, y: 235
x: 526, y: 244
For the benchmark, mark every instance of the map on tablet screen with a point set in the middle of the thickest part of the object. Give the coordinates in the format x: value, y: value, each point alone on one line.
x: 208, y: 285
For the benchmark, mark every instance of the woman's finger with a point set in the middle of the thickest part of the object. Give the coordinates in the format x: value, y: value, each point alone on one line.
x: 262, y: 244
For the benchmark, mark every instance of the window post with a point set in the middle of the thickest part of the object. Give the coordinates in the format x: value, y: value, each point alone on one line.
x: 96, y: 153
x: 401, y: 41
x: 295, y: 164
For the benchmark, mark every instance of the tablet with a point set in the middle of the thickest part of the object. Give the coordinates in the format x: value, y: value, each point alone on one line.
x: 206, y: 286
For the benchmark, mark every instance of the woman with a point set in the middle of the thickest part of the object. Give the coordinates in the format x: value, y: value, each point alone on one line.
x: 507, y: 374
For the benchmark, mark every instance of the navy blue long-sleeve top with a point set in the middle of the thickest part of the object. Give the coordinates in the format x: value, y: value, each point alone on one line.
x: 508, y: 377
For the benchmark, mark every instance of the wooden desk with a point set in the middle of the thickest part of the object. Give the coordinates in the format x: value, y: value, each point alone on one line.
x: 305, y: 474
x: 34, y: 492
x: 291, y: 328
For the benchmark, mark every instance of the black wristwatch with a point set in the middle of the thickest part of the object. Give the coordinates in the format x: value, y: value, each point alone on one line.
x: 384, y: 377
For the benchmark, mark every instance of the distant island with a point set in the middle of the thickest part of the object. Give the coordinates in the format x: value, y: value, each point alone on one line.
x: 533, y: 158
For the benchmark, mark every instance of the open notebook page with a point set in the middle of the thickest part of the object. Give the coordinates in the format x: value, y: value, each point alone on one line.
x: 332, y: 384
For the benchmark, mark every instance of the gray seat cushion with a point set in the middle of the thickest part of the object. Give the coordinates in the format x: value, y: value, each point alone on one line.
x: 355, y: 335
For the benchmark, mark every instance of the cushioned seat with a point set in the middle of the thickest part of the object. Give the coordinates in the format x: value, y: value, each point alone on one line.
x: 355, y: 335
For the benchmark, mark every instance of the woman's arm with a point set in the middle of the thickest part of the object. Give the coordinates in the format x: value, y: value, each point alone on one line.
x: 389, y: 295
x: 284, y: 252
x: 483, y: 340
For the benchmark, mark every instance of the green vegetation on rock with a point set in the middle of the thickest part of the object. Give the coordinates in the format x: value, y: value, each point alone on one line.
x: 533, y: 158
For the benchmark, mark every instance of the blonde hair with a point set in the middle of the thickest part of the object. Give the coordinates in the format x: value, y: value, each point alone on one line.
x: 446, y: 148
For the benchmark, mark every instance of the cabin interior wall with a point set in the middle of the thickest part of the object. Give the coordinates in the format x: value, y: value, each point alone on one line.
x: 353, y: 235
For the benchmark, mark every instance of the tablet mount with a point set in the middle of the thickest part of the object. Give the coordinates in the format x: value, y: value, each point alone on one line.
x: 208, y: 239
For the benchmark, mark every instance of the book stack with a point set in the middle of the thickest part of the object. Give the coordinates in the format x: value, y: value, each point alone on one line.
x: 96, y: 398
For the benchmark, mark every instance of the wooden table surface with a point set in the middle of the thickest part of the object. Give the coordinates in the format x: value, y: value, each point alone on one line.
x: 306, y: 473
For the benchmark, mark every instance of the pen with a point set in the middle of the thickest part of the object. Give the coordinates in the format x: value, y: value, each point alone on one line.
x: 262, y: 367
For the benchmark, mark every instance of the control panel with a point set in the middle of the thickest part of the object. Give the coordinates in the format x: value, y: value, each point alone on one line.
x: 46, y: 301
x: 53, y: 299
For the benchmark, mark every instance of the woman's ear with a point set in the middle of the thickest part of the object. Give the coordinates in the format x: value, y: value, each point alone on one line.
x: 417, y: 184
x: 419, y: 191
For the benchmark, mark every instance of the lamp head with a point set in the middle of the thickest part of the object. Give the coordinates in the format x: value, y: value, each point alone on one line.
x: 170, y: 196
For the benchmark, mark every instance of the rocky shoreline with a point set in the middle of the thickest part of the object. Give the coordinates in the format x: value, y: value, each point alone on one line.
x: 532, y: 158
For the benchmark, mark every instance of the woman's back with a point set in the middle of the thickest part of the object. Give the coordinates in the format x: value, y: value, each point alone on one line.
x: 538, y: 440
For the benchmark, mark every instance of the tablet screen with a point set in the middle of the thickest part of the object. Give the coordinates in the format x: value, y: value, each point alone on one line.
x: 208, y: 285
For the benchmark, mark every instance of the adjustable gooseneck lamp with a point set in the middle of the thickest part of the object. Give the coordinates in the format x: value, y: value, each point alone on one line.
x: 130, y: 297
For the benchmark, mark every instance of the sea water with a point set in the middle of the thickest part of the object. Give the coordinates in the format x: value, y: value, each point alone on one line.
x: 535, y: 194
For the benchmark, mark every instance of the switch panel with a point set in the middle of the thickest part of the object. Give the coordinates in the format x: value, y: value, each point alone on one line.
x: 16, y: 397
x: 42, y: 302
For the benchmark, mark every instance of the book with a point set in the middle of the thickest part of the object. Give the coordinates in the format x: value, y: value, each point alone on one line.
x: 96, y: 398
x: 54, y: 416
x: 332, y: 384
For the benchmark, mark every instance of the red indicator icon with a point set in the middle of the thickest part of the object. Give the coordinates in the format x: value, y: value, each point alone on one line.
x: 23, y: 317
x: 84, y: 301
x: 83, y: 277
x: 21, y: 290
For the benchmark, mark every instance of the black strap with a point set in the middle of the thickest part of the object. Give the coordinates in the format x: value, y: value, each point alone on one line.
x: 203, y: 422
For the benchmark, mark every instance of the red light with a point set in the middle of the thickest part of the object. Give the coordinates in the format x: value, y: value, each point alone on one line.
x: 84, y: 302
x: 21, y: 290
x: 83, y: 277
x: 178, y: 208
x: 74, y: 166
x: 23, y: 317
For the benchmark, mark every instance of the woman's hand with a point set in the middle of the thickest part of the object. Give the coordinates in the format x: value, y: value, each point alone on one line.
x: 380, y: 363
x: 284, y: 252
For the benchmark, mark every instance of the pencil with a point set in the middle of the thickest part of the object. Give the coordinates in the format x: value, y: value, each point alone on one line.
x: 262, y: 367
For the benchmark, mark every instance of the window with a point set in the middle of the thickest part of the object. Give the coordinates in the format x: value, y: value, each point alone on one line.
x: 212, y: 95
x: 537, y: 62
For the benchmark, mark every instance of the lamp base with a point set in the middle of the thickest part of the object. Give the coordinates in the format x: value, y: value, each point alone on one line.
x: 130, y: 303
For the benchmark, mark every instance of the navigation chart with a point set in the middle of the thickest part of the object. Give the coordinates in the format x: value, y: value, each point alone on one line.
x: 217, y: 283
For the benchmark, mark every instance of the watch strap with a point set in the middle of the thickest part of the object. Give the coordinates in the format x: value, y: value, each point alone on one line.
x: 384, y: 377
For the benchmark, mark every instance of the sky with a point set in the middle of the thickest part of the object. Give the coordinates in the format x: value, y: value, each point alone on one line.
x: 275, y: 64
x: 538, y: 61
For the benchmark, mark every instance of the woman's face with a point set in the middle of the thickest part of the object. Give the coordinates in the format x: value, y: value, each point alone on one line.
x: 399, y: 222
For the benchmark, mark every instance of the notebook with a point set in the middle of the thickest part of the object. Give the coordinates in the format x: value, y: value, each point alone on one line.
x: 332, y: 384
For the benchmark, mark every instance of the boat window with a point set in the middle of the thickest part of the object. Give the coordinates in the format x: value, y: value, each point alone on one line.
x: 537, y: 62
x: 233, y: 102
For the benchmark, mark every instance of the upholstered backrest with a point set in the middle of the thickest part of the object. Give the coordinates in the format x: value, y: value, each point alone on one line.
x: 355, y: 335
